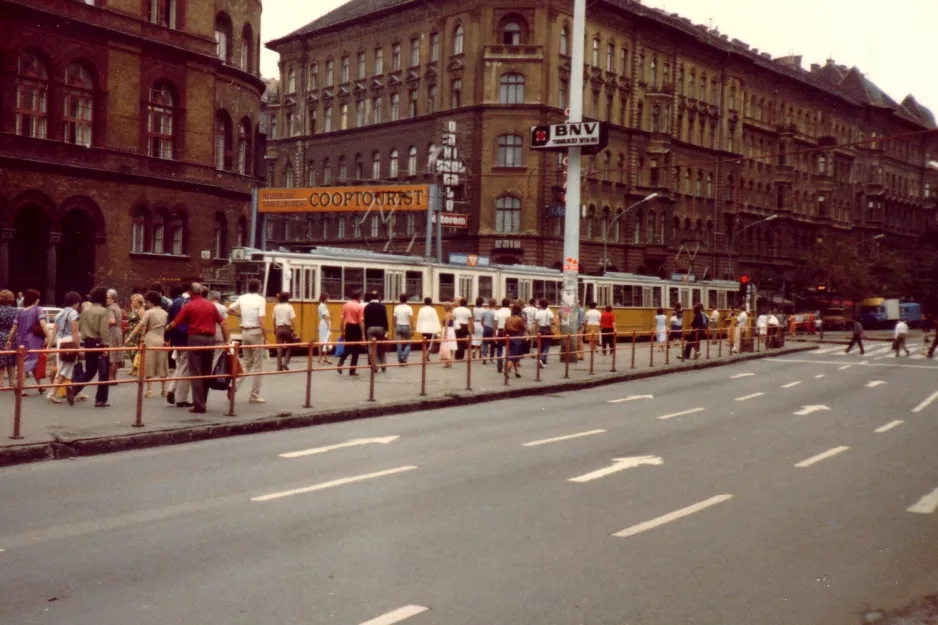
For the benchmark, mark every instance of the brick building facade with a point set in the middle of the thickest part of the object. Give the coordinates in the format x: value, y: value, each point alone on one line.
x: 725, y: 135
x: 129, y: 134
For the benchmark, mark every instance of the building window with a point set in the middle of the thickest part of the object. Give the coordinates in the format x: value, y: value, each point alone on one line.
x: 698, y: 184
x: 312, y: 121
x: 376, y: 107
x: 434, y: 47
x: 344, y: 70
x: 32, y: 89
x: 311, y: 174
x: 359, y: 167
x: 431, y: 99
x: 326, y: 173
x: 160, y: 121
x: 221, y: 236
x: 709, y: 185
x: 379, y: 61
x: 291, y: 124
x: 564, y: 40
x: 343, y: 117
x: 415, y: 52
x: 511, y: 34
x: 244, y: 151
x: 177, y: 232
x: 624, y: 61
x: 392, y: 165
x: 595, y: 55
x: 288, y: 180
x: 692, y: 84
x: 511, y: 89
x: 78, y: 105
x: 458, y: 40
x: 291, y: 80
x: 359, y: 113
x: 562, y: 94
x: 610, y: 57
x: 508, y: 215
x: 654, y: 71
x: 138, y: 235
x: 395, y: 107
x: 655, y: 118
x: 361, y: 65
x: 703, y: 88
x: 456, y: 94
x: 222, y: 141
x: 376, y: 166
x: 395, y: 57
x: 327, y: 119
x: 510, y: 151
x: 411, y: 224
x: 330, y: 69
x: 412, y: 161
x: 223, y: 37
x: 374, y: 226
x: 733, y: 98
x: 247, y: 44
x: 162, y: 13
x: 343, y: 169
x: 314, y: 76
x: 412, y: 105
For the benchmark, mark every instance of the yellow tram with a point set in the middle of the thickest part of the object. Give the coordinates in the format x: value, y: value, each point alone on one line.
x: 340, y: 272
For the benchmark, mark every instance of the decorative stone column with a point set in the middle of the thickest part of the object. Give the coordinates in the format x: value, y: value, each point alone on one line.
x: 6, y: 236
x: 55, y: 238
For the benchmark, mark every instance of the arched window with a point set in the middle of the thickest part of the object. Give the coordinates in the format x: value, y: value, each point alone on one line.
x: 510, y: 152
x: 698, y: 184
x: 291, y: 80
x: 656, y: 118
x: 221, y: 236
x: 160, y: 219
x: 162, y: 13
x: 564, y: 40
x: 223, y: 37
x: 733, y: 98
x: 247, y: 44
x: 508, y: 215
x: 222, y: 140
x: 138, y: 236
x: 32, y: 91
x: 412, y: 161
x: 651, y: 229
x: 392, y: 165
x: 709, y: 185
x: 288, y: 175
x: 326, y: 172
x: 692, y: 84
x: 311, y: 174
x: 511, y: 34
x: 703, y: 88
x: 244, y: 147
x: 177, y: 233
x: 653, y: 79
x: 637, y: 229
x: 242, y: 239
x: 376, y: 166
x: 359, y: 167
x: 511, y: 89
x: 160, y: 121
x: 594, y: 56
x: 458, y: 39
x: 79, y: 104
x: 343, y: 169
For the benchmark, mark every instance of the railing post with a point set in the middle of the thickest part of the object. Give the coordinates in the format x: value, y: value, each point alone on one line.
x: 566, y: 360
x: 537, y: 367
x: 667, y: 351
x: 615, y: 346
x: 309, y: 375
x: 232, y: 356
x: 708, y: 342
x: 424, y: 356
x: 141, y: 381
x: 719, y: 343
x: 373, y: 361
x: 507, y: 350
x: 634, y: 346
x: 20, y: 383
x: 651, y: 343
x: 469, y: 363
x: 758, y: 338
x: 683, y: 341
x: 592, y: 338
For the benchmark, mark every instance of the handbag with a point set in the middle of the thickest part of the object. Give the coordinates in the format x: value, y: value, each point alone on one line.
x: 67, y: 342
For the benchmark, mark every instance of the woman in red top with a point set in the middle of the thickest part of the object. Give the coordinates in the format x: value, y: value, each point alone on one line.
x: 607, y: 325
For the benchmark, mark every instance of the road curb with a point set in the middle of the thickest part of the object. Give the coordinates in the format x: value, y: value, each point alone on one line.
x: 60, y: 449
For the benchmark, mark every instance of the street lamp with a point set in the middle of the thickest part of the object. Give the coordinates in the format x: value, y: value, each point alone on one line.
x: 608, y: 224
x: 732, y: 245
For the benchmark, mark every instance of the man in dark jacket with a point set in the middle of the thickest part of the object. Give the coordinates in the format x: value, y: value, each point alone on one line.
x: 698, y: 325
x: 857, y: 337
x: 376, y: 327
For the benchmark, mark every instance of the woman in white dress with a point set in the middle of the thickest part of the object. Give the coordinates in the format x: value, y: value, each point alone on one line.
x: 661, y: 329
x: 448, y: 343
x: 477, y: 327
x: 325, y: 330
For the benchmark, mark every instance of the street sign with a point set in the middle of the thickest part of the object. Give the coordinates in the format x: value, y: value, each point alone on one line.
x: 468, y: 260
x: 590, y: 136
x: 453, y: 220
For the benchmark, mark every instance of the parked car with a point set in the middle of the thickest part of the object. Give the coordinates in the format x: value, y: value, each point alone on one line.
x: 51, y: 313
x: 834, y: 318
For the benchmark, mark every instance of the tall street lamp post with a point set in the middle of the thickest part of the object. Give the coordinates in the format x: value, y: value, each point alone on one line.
x: 609, y: 224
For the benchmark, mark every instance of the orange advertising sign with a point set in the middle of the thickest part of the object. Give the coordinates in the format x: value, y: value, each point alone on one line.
x: 414, y: 197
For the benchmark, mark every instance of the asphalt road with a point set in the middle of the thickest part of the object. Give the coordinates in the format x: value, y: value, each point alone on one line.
x: 515, y: 512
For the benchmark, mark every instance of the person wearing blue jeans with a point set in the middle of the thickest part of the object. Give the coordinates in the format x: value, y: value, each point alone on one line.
x: 544, y: 318
x: 403, y: 328
x: 488, y: 331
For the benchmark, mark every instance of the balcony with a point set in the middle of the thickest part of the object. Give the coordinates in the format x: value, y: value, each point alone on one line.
x: 513, y: 53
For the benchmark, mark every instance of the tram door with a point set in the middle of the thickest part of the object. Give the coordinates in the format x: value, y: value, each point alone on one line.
x: 587, y: 292
x: 393, y: 285
x: 603, y: 295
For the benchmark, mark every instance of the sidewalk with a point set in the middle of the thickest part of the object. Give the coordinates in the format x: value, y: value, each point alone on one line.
x: 56, y: 431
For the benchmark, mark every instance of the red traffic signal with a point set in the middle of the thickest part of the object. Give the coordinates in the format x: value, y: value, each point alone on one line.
x: 744, y: 279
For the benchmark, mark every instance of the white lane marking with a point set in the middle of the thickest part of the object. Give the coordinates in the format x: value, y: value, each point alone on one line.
x: 925, y: 505
x: 829, y: 350
x: 844, y: 367
x: 865, y: 362
x: 791, y: 384
x: 917, y: 357
x: 819, y: 376
x: 809, y: 409
x: 880, y: 357
x: 631, y: 398
x: 672, y: 516
x: 824, y: 456
x: 747, y: 397
x: 681, y: 414
x: 922, y: 406
x: 397, y: 615
x: 619, y: 464
x: 875, y: 383
x: 888, y: 426
x: 562, y: 438
x: 339, y: 482
x: 352, y: 443
x: 741, y: 375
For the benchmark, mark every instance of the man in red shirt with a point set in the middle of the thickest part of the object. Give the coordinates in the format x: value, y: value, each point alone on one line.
x: 202, y: 317
x: 607, y: 324
x: 353, y: 331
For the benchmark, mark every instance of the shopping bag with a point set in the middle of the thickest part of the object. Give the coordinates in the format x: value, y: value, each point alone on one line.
x: 340, y: 347
x: 40, y: 372
x: 221, y: 368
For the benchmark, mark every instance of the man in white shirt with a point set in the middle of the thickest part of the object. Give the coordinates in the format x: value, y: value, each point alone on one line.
x: 592, y: 318
x: 252, y: 308
x: 462, y: 324
x: 501, y: 316
x: 544, y: 318
x: 774, y: 325
x: 742, y: 325
x: 900, y: 335
x: 284, y: 329
x: 715, y: 323
x: 530, y: 323
x: 403, y: 328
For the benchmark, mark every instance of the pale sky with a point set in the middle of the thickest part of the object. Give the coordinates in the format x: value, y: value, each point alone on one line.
x: 889, y: 41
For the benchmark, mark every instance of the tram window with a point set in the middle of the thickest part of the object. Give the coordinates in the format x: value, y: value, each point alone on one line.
x: 393, y: 285
x: 713, y: 300
x: 274, y: 280
x: 332, y: 282
x: 309, y: 284
x: 465, y: 287
x: 685, y: 298
x: 674, y: 296
x: 511, y: 288
x: 524, y: 290
x: 619, y: 295
x: 733, y: 299
x: 695, y: 296
x: 486, y: 289
x: 721, y: 300
x: 553, y: 292
x: 447, y: 287
x: 637, y: 299
x: 374, y: 282
x: 294, y: 286
x: 656, y: 297
x: 353, y: 280
x: 414, y: 286
x: 590, y: 294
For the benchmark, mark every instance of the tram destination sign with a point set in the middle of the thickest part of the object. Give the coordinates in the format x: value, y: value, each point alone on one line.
x: 590, y: 136
x: 407, y: 198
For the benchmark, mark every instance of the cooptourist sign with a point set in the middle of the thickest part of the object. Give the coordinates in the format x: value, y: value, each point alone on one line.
x: 344, y: 199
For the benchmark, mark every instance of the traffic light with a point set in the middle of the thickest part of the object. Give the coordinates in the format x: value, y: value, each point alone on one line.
x: 743, y: 286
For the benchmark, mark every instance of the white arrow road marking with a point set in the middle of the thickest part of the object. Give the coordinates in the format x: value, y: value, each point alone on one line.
x: 747, y: 397
x: 875, y: 383
x: 791, y: 384
x: 888, y: 426
x: 926, y: 505
x: 562, y: 438
x: 741, y: 375
x: 809, y: 409
x: 672, y: 516
x: 824, y: 456
x: 681, y: 414
x: 631, y: 398
x: 922, y: 406
x: 339, y: 482
x: 619, y: 464
x: 353, y: 443
x: 844, y: 367
x: 397, y: 615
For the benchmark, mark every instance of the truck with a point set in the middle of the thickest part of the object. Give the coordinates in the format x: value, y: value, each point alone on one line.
x: 911, y: 313
x: 879, y: 312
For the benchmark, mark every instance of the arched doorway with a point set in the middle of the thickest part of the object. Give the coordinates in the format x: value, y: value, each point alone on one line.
x: 75, y: 255
x: 28, y: 249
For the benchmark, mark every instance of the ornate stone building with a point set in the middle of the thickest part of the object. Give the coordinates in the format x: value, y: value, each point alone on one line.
x: 725, y: 135
x: 128, y: 139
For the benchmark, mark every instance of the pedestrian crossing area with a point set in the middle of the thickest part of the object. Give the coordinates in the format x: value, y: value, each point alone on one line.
x: 876, y: 351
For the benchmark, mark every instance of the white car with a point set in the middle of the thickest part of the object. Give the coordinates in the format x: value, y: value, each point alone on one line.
x: 51, y: 313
